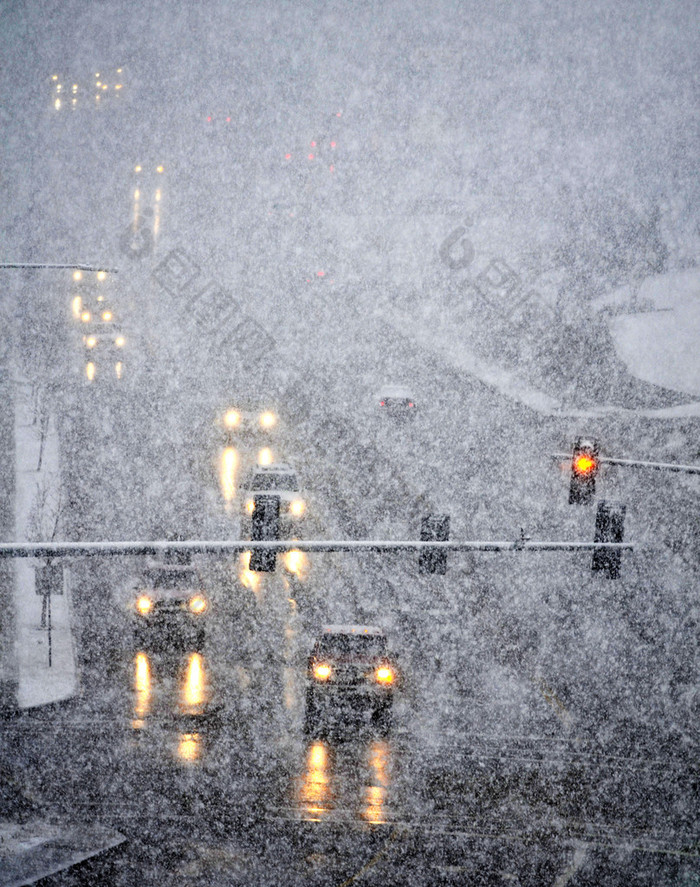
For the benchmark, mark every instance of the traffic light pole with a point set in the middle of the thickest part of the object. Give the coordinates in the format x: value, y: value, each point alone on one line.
x: 37, y: 266
x: 226, y: 546
x: 636, y: 463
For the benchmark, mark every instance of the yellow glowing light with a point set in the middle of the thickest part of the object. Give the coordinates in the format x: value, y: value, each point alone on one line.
x: 99, y: 82
x: 106, y: 316
x: 193, y: 689
x: 267, y: 420
x: 97, y: 75
x: 315, y: 791
x: 584, y: 464
x: 77, y: 305
x: 189, y: 747
x: 265, y: 456
x: 59, y: 87
x: 297, y: 507
x: 119, y: 341
x: 90, y: 370
x: 119, y: 70
x: 160, y: 168
x: 248, y: 578
x: 117, y: 86
x: 250, y: 506
x: 142, y: 688
x: 137, y: 194
x: 296, y: 562
x: 157, y: 195
x: 86, y: 317
x: 197, y: 604
x: 119, y: 369
x: 54, y: 76
x: 227, y: 473
x: 74, y: 88
x: 384, y: 675
x: 232, y: 418
x: 100, y: 298
x: 73, y: 102
x: 144, y: 605
x: 77, y: 275
x: 57, y: 104
x: 101, y: 275
x: 322, y: 671
x: 91, y: 341
x: 137, y: 168
x: 104, y: 86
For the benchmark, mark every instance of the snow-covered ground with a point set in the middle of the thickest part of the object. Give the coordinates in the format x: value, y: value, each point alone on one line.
x: 36, y: 486
x: 657, y: 331
x: 656, y: 335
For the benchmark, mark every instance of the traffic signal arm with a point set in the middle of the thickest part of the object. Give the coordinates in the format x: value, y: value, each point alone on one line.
x: 636, y: 463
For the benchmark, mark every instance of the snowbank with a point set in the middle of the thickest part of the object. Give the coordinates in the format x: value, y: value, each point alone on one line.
x: 37, y: 484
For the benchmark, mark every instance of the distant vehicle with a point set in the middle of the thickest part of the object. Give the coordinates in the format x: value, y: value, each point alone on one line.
x: 280, y: 480
x: 249, y: 416
x: 169, y: 608
x: 350, y: 675
x: 104, y: 352
x: 397, y: 401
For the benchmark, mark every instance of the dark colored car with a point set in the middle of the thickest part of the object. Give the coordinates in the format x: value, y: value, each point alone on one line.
x: 351, y: 678
x: 170, y: 608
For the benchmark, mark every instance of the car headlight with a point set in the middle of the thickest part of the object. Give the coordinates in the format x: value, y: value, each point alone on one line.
x: 197, y: 604
x: 144, y: 605
x: 267, y: 420
x: 232, y: 419
x: 250, y: 506
x: 297, y: 507
x: 384, y: 675
x: 322, y: 671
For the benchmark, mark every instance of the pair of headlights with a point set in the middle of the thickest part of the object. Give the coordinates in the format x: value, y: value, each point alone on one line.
x: 296, y: 507
x: 383, y: 674
x: 197, y: 604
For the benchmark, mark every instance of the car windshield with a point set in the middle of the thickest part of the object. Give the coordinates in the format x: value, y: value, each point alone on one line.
x: 176, y: 580
x: 265, y: 481
x: 361, y: 646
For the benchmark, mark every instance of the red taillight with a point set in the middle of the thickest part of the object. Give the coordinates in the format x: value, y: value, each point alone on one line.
x: 332, y: 144
x: 287, y: 156
x: 381, y: 403
x: 410, y: 404
x: 208, y: 119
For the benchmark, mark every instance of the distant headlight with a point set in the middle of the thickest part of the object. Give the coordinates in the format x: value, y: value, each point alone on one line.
x: 144, y: 605
x: 106, y: 316
x: 91, y: 341
x: 86, y: 317
x: 297, y: 507
x: 322, y: 671
x: 267, y: 420
x: 232, y: 418
x: 384, y: 675
x: 119, y: 341
x: 197, y: 604
x: 250, y: 506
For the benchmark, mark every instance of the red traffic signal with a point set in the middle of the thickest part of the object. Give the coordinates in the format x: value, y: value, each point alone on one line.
x: 584, y: 468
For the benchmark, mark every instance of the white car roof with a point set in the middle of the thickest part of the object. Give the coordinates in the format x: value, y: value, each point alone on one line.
x: 353, y: 629
x: 395, y: 391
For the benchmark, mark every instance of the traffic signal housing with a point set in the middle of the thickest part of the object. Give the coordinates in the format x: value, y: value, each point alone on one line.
x: 609, y: 527
x: 584, y: 469
x: 434, y: 528
x: 265, y: 528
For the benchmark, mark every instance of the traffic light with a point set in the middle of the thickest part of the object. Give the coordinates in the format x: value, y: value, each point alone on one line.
x: 265, y: 528
x: 584, y: 468
x: 609, y: 527
x: 434, y: 528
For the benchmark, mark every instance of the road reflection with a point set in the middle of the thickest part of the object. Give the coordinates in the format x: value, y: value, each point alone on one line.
x: 169, y: 692
x: 345, y: 781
